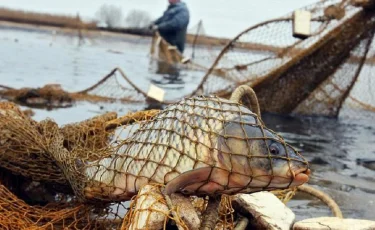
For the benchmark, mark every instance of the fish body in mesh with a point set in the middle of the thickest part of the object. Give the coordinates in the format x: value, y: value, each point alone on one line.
x: 201, y: 145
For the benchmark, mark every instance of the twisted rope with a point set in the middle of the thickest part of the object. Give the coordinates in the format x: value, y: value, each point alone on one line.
x: 323, y: 197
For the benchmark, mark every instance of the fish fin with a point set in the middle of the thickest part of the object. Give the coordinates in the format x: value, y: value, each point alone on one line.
x: 188, y: 178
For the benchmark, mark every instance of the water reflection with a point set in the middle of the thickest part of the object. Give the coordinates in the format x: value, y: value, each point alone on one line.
x: 171, y: 74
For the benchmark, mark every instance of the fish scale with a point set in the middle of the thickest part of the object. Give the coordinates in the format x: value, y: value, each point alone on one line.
x: 182, y: 138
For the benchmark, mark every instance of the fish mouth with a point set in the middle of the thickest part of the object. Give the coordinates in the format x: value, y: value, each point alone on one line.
x: 300, y: 176
x: 293, y: 178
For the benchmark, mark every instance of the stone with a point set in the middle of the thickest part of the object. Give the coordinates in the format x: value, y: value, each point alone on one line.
x: 150, y: 211
x: 266, y: 209
x: 334, y: 223
x: 186, y: 211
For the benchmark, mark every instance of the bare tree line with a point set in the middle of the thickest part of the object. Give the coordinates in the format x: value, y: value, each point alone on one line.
x: 112, y: 17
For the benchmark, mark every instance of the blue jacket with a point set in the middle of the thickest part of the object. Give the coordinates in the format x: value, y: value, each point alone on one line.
x: 173, y: 24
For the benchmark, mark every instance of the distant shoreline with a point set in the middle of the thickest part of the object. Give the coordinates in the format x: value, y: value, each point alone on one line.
x: 76, y: 26
x: 139, y: 32
x: 24, y: 19
x: 69, y: 31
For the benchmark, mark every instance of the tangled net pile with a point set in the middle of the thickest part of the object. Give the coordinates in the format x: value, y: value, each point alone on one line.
x: 79, y: 176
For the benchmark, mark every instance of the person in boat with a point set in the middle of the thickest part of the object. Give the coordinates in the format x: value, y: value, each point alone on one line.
x: 172, y: 26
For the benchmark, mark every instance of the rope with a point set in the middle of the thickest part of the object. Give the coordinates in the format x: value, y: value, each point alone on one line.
x: 245, y: 95
x: 323, y: 197
x: 180, y: 224
x: 211, y: 215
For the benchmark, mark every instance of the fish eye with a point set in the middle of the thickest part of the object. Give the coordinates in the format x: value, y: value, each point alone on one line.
x: 274, y: 148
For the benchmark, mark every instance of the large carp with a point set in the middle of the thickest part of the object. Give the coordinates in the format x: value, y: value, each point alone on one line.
x: 200, y: 146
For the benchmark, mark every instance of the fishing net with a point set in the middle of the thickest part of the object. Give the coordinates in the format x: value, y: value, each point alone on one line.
x: 200, y: 49
x: 161, y: 50
x: 90, y: 135
x: 22, y: 148
x: 16, y: 214
x: 169, y: 60
x: 319, y: 75
x: 51, y: 95
x: 204, y: 49
x: 29, y: 173
x: 329, y: 97
x: 167, y: 147
x: 287, y: 73
x: 106, y: 161
x: 113, y: 87
x: 262, y: 49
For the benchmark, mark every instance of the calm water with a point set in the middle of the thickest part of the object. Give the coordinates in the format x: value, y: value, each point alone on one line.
x: 338, y: 149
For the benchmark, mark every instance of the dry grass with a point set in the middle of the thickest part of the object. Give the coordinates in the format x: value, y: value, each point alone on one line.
x: 44, y: 19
